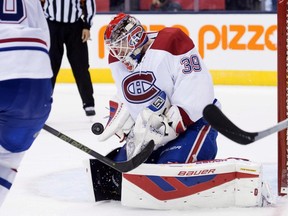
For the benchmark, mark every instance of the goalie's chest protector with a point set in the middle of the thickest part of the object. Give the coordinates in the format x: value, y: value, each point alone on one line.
x: 161, y: 69
x: 145, y: 83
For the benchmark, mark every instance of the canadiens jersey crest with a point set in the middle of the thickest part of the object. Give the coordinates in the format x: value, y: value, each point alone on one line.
x: 140, y: 87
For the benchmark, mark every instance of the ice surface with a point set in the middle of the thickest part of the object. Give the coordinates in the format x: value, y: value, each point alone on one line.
x: 52, y: 179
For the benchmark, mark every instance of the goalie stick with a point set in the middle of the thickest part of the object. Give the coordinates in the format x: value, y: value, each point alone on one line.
x: 216, y: 118
x: 125, y: 166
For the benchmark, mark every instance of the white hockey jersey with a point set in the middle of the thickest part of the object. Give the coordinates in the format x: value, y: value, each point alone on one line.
x: 24, y: 40
x: 171, y: 64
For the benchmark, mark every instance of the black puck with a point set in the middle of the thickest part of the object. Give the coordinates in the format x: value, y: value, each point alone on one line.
x: 97, y: 128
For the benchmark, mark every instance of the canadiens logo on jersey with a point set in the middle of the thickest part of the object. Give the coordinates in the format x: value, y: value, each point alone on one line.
x: 140, y: 87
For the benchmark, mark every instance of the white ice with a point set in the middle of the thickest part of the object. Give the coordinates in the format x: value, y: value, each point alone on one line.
x: 52, y: 179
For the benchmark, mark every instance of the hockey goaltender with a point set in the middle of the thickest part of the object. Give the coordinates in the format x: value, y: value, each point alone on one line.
x: 162, y: 87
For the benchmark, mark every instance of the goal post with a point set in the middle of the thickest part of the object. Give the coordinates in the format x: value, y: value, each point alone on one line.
x: 282, y: 69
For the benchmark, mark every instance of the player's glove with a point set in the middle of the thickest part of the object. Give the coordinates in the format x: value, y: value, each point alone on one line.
x: 159, y: 122
x: 119, y: 123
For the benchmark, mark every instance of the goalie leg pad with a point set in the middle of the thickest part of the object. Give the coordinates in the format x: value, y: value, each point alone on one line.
x: 217, y: 183
x: 106, y: 181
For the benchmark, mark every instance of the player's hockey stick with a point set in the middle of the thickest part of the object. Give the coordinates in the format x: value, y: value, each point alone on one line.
x: 216, y: 118
x: 125, y: 166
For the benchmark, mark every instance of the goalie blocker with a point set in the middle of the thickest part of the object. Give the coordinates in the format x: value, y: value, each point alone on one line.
x: 216, y: 183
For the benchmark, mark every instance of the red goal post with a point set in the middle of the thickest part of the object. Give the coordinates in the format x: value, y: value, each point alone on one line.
x: 282, y: 68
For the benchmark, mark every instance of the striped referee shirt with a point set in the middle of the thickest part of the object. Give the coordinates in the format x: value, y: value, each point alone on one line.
x: 69, y: 11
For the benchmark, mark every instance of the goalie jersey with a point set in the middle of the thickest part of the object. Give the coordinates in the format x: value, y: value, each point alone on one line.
x: 171, y: 64
x: 24, y: 41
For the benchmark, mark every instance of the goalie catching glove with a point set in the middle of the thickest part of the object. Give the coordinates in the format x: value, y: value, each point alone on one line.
x: 160, y: 122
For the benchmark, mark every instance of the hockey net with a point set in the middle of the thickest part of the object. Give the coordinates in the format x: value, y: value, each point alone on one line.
x: 282, y: 57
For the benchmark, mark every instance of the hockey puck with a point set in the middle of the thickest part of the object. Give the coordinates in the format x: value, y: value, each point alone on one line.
x: 97, y: 128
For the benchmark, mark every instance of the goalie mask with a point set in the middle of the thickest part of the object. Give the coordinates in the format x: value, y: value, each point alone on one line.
x: 125, y: 37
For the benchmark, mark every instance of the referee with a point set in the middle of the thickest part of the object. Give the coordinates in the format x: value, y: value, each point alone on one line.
x: 69, y: 23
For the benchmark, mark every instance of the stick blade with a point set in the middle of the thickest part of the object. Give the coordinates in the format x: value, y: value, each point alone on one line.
x: 216, y: 118
x: 137, y: 160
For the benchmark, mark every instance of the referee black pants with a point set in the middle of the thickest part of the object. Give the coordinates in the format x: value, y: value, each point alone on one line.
x: 69, y: 34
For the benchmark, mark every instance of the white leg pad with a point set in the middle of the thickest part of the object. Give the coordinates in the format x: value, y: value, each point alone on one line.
x: 217, y: 183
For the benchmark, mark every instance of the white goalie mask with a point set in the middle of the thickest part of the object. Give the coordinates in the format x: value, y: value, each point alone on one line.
x: 125, y: 37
